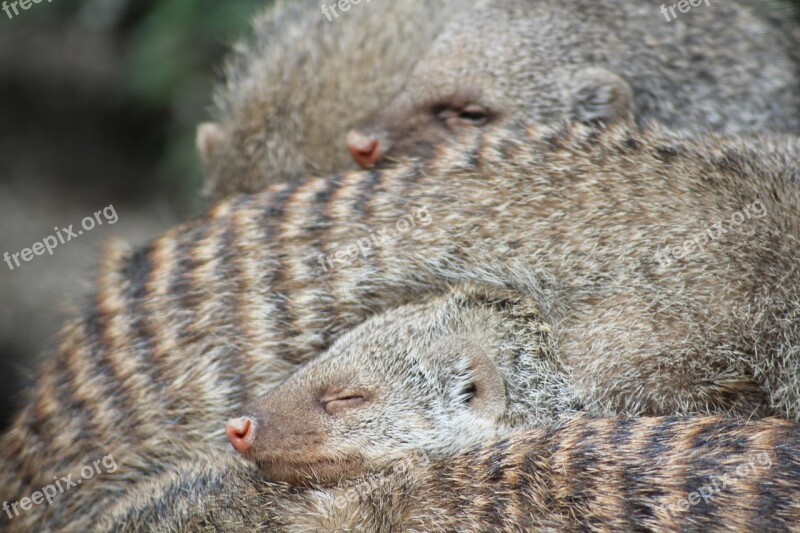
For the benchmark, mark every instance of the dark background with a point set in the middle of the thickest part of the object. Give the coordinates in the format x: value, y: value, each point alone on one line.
x: 99, y: 100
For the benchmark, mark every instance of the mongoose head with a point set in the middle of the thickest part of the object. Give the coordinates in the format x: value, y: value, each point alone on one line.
x: 301, y: 81
x: 435, y: 378
x: 491, y: 67
x: 340, y: 414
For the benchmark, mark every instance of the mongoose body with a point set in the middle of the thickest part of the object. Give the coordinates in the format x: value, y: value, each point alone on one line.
x: 305, y: 78
x: 729, y: 67
x: 210, y: 316
x: 619, y: 474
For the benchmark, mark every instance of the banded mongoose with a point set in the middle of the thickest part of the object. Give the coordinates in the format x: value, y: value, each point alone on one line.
x: 505, y: 324
x: 653, y: 309
x: 620, y: 474
x: 729, y: 67
x: 294, y: 89
x: 434, y: 377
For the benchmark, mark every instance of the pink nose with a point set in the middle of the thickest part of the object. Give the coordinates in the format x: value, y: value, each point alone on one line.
x: 240, y: 432
x: 366, y: 150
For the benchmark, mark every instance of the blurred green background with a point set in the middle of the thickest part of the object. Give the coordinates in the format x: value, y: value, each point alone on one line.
x: 147, y: 66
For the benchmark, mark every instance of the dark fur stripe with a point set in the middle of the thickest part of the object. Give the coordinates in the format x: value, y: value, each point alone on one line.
x: 321, y: 205
x: 583, y: 463
x: 39, y: 418
x: 660, y: 444
x: 136, y: 274
x: 181, y: 286
x: 77, y: 415
x: 124, y: 405
x: 229, y: 270
x: 705, y: 445
x: 368, y: 298
x: 322, y: 224
x: 662, y: 440
x: 272, y: 221
x: 535, y: 481
x: 635, y: 509
x: 497, y: 467
x: 775, y: 506
x: 137, y: 271
x: 237, y: 364
x: 133, y: 273
x: 366, y: 193
x: 323, y: 202
x: 409, y: 180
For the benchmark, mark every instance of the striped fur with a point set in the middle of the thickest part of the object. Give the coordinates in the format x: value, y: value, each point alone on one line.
x: 599, y: 475
x: 184, y: 331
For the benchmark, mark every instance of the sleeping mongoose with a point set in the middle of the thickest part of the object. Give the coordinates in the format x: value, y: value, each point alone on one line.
x: 730, y: 67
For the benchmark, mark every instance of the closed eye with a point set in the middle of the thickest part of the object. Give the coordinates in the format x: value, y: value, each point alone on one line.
x: 474, y: 116
x: 345, y: 400
x: 470, y: 115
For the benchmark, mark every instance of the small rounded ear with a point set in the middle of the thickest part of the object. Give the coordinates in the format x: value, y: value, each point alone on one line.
x: 208, y: 140
x: 487, y: 388
x: 597, y: 95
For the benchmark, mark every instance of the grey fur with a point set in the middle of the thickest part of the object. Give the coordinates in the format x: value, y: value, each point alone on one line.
x: 301, y: 82
x: 730, y: 67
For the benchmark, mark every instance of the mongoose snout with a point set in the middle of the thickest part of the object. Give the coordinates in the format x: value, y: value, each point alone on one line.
x: 366, y: 150
x: 241, y: 432
x: 244, y: 431
x: 298, y: 432
x: 396, y: 132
